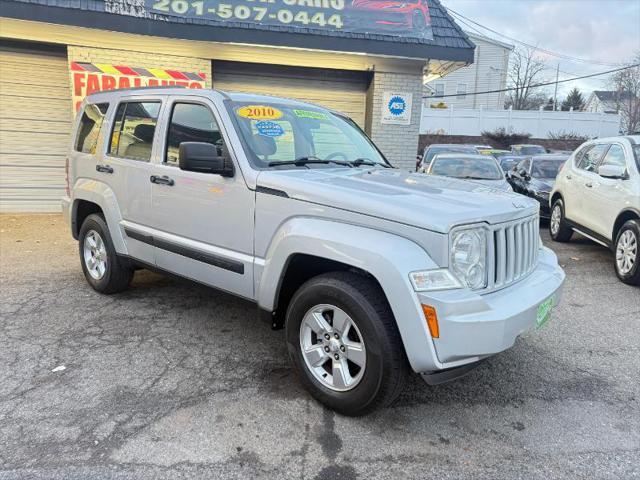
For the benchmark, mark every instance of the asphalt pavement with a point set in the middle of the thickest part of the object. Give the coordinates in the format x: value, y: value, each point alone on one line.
x: 173, y: 380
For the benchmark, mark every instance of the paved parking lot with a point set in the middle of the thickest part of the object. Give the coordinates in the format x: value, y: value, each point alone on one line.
x: 173, y: 380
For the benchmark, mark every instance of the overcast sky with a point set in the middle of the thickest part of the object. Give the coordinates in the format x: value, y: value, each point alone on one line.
x: 606, y: 31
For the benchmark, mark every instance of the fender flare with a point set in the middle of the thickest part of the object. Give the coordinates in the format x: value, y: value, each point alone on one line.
x: 387, y: 257
x: 103, y: 196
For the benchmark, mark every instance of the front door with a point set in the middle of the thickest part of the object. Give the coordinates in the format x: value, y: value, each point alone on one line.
x: 126, y: 168
x: 204, y: 222
x: 580, y: 199
x: 609, y: 195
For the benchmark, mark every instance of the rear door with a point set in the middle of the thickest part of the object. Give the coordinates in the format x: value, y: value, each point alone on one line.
x: 126, y: 168
x: 203, y: 222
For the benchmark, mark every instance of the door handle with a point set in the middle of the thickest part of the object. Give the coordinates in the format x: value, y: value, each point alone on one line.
x: 588, y: 184
x: 163, y: 180
x: 569, y: 177
x: 104, y: 168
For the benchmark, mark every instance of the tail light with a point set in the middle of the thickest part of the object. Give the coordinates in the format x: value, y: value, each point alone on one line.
x: 66, y: 174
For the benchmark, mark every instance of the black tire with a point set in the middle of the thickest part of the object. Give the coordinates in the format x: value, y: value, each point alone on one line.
x: 564, y: 232
x: 365, y: 303
x: 118, y: 272
x: 631, y: 277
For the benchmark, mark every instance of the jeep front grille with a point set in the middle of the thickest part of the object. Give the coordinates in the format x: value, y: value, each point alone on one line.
x: 513, y: 251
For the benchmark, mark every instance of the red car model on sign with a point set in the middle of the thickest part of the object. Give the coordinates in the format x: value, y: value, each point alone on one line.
x: 391, y: 15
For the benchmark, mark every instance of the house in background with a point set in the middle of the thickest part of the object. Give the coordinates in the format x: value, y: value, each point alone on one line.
x: 488, y: 72
x: 602, y: 101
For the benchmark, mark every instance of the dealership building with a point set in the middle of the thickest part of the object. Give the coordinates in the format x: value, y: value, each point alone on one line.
x: 366, y: 58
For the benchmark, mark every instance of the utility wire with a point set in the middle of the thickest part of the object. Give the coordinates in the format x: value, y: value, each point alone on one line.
x: 545, y: 84
x: 459, y: 16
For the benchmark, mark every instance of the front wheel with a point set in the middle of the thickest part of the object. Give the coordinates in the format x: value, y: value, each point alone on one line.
x: 344, y: 343
x: 558, y: 228
x: 104, y: 270
x: 627, y: 261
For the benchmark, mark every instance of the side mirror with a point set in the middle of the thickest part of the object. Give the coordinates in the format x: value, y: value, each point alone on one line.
x: 612, y: 171
x: 204, y: 158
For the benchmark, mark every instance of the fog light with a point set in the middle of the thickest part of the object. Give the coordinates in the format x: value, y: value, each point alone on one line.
x: 432, y: 320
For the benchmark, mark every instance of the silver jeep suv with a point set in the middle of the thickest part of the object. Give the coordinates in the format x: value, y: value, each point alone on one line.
x: 372, y: 271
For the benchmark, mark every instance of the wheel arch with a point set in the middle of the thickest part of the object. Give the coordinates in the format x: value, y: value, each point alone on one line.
x: 622, y: 218
x: 90, y: 197
x: 325, y: 245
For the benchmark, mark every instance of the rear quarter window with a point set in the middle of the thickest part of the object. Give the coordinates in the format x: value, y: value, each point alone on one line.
x: 89, y: 127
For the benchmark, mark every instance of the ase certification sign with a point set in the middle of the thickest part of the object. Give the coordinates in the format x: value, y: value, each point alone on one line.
x: 396, y: 108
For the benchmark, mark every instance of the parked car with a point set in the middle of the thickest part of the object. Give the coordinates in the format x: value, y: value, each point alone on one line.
x: 496, y: 152
x: 481, y: 169
x: 528, y: 150
x: 372, y: 271
x: 597, y: 194
x: 433, y: 150
x: 535, y: 176
x: 394, y: 15
x: 507, y: 162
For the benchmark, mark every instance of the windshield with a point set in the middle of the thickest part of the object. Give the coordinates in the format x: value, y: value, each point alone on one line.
x: 286, y: 136
x: 470, y: 168
x: 508, y: 163
x: 433, y: 151
x: 546, y: 168
x: 531, y: 150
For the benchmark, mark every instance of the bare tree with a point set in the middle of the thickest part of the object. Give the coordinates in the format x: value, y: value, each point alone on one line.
x: 626, y: 84
x: 525, y: 71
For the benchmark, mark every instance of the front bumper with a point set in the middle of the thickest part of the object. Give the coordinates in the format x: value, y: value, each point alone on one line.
x: 473, y: 326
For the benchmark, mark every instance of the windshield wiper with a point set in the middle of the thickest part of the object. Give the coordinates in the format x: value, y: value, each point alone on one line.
x: 366, y: 161
x: 476, y: 178
x: 303, y: 161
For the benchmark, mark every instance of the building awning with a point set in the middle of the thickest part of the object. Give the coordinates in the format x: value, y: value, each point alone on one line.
x: 421, y: 30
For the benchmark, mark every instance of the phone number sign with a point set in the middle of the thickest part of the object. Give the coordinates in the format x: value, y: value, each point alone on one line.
x: 385, y: 17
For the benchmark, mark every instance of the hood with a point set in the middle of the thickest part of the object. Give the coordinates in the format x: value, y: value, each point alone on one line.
x: 542, y: 184
x: 424, y: 201
x: 501, y: 184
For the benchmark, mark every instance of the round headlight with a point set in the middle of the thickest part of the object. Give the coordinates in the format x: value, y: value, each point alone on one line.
x: 468, y: 257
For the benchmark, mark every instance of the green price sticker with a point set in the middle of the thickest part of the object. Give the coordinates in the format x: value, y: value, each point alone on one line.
x: 310, y: 114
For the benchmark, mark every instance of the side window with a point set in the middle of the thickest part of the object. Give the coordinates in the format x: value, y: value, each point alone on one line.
x: 591, y: 158
x: 439, y: 90
x: 191, y: 123
x: 89, y: 129
x: 524, y: 165
x: 133, y: 130
x: 615, y: 156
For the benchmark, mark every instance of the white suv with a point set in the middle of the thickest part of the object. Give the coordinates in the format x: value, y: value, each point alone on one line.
x: 597, y: 194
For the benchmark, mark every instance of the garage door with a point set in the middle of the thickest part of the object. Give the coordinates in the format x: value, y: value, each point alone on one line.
x: 340, y: 90
x: 35, y: 117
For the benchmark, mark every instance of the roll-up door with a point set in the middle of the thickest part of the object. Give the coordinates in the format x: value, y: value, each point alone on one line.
x: 340, y: 90
x: 35, y: 120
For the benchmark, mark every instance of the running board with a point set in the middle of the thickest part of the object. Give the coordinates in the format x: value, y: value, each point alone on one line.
x: 590, y: 237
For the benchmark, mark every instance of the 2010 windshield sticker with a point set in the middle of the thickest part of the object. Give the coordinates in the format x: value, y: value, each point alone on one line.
x: 310, y: 114
x: 259, y: 112
x: 269, y: 129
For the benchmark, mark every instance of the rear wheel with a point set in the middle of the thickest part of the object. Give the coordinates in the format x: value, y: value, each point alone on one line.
x: 627, y: 262
x: 344, y: 343
x: 558, y: 228
x: 104, y: 270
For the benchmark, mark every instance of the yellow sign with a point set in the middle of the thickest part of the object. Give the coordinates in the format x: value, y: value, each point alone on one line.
x: 259, y: 112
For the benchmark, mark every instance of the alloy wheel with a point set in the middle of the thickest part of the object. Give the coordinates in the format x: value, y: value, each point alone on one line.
x: 333, y: 347
x: 95, y: 254
x: 626, y: 252
x: 556, y: 217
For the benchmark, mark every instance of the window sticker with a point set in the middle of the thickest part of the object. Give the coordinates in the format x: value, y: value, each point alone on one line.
x: 259, y: 112
x: 310, y: 114
x: 269, y: 129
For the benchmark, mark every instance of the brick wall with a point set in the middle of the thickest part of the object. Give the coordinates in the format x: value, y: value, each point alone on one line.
x: 399, y: 143
x: 459, y: 139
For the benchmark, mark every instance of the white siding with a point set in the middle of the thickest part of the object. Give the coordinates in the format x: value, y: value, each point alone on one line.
x: 488, y: 72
